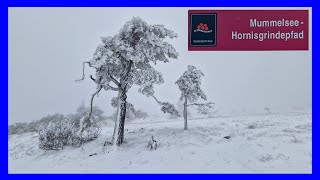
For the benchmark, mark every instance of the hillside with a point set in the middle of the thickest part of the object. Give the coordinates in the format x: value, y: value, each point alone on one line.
x: 279, y: 143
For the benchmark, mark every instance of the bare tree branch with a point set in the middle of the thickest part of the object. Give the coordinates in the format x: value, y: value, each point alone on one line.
x: 91, y: 101
x: 115, y: 81
x: 108, y: 86
x: 83, y: 74
x: 209, y: 104
x: 93, y: 79
x: 159, y: 102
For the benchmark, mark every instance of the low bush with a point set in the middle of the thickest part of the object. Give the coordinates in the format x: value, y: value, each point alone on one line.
x: 56, y: 135
x: 97, y: 117
x: 19, y: 128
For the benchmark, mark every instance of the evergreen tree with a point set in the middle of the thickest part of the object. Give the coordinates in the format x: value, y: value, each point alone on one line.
x: 190, y: 86
x: 126, y: 59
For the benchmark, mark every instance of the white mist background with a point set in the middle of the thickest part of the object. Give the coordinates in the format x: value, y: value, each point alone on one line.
x: 48, y: 45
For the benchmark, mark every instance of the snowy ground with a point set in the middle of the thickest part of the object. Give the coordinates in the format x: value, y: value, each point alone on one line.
x: 259, y: 144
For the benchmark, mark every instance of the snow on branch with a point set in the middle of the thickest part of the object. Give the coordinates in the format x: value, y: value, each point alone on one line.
x: 209, y: 104
x: 167, y: 107
x: 108, y: 86
x: 92, y: 98
x: 190, y: 86
x: 125, y: 60
x: 83, y: 74
x: 159, y: 102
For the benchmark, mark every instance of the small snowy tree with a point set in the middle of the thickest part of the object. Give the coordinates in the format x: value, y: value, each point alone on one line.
x: 81, y: 112
x: 125, y: 59
x: 267, y: 110
x: 190, y: 86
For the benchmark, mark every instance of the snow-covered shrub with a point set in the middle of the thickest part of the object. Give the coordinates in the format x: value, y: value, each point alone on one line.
x: 57, y: 117
x: 88, y: 134
x: 91, y: 133
x: 252, y: 126
x: 89, y: 130
x: 295, y: 140
x: 266, y: 158
x: 19, y: 128
x: 56, y: 135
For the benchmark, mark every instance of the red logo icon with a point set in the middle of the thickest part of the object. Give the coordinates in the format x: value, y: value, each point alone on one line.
x: 203, y: 26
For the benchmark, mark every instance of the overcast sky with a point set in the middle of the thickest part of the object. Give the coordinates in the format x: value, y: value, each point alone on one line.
x: 48, y: 45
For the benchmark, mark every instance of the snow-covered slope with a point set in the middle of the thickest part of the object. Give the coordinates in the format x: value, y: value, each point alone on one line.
x: 278, y: 143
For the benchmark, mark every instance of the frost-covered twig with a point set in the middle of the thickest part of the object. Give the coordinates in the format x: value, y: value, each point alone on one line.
x: 83, y: 74
x: 91, y: 100
x: 112, y: 78
x: 106, y: 86
x: 159, y: 102
x: 209, y: 104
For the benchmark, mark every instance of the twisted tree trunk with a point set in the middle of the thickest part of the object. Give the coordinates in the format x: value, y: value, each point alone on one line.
x: 118, y: 133
x: 122, y: 114
x: 185, y: 113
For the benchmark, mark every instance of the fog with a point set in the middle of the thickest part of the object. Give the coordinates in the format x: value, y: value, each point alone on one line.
x: 48, y: 45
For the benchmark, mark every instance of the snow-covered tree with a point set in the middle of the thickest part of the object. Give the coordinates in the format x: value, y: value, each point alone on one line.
x: 125, y: 59
x: 267, y: 110
x: 190, y: 86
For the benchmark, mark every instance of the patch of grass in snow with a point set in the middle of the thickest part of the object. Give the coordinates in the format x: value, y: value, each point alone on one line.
x: 295, y: 140
x: 266, y: 158
x: 261, y: 134
x: 252, y: 126
x: 289, y: 130
x: 306, y: 127
x: 283, y: 157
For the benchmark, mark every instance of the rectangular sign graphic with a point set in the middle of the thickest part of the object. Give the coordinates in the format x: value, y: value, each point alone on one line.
x: 247, y: 30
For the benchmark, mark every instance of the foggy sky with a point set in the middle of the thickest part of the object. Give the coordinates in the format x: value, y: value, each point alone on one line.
x: 48, y: 45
